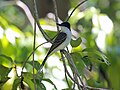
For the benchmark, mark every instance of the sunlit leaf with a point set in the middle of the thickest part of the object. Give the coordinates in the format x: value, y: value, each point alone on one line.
x: 42, y: 21
x: 76, y: 43
x: 4, y: 42
x: 7, y: 57
x: 3, y: 22
x: 16, y: 30
x: 6, y: 60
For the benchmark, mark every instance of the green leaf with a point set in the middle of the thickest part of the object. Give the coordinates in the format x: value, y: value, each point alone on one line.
x: 3, y: 22
x: 3, y: 80
x: 16, y: 83
x: 103, y: 58
x: 40, y: 86
x: 28, y: 78
x: 48, y: 80
x: 76, y: 43
x: 87, y: 62
x: 51, y: 34
x: 29, y: 82
x: 30, y: 75
x: 4, y: 71
x: 96, y: 56
x: 16, y: 30
x: 36, y: 65
x: 4, y: 42
x: 6, y: 60
x: 78, y: 62
x: 39, y: 75
x: 7, y: 57
x: 27, y: 74
x: 94, y: 83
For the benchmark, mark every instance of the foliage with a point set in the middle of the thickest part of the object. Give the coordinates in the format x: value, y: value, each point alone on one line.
x: 96, y: 43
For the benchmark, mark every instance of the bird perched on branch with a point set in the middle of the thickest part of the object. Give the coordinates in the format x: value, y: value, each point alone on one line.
x: 61, y: 41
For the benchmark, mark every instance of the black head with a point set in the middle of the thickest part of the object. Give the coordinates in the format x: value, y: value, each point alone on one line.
x: 65, y: 24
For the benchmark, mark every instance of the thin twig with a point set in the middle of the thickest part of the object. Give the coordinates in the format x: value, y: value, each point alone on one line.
x: 75, y: 9
x: 67, y: 79
x: 35, y: 15
x: 34, y: 41
x: 56, y: 14
x: 34, y: 53
x: 65, y: 68
x: 73, y: 79
x: 77, y: 81
x: 30, y: 55
x: 74, y: 67
x: 73, y: 86
x: 43, y: 33
x: 69, y: 74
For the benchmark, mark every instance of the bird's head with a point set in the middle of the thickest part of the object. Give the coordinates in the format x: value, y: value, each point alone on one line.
x: 64, y: 24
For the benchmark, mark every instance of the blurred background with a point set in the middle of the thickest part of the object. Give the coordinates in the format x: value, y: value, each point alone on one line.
x: 97, y: 22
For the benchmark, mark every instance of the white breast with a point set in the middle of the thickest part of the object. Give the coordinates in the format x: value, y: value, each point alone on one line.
x: 67, y: 41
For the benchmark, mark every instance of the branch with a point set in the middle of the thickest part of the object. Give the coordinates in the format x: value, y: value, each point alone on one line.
x: 75, y: 9
x: 65, y: 68
x: 56, y: 14
x: 40, y: 28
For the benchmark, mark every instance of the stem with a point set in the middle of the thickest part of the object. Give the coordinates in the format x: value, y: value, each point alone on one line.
x: 34, y: 53
x: 35, y: 14
x: 30, y: 55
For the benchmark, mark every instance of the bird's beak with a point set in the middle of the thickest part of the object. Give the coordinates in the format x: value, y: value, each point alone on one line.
x: 58, y: 24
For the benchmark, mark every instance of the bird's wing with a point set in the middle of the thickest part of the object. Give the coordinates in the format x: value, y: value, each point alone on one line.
x: 58, y: 41
x: 61, y: 37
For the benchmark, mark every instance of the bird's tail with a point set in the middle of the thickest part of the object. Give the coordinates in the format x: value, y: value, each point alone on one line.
x: 43, y: 63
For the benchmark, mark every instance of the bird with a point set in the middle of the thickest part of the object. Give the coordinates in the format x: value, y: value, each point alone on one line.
x: 61, y: 41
